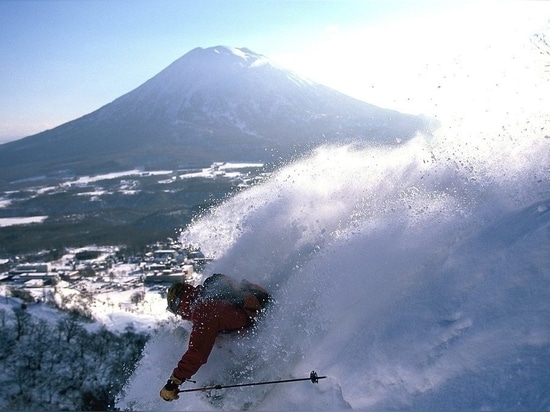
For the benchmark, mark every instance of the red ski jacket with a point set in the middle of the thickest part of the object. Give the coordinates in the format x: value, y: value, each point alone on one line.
x: 209, y: 318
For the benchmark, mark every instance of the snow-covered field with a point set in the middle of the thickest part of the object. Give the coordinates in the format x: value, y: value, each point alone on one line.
x: 415, y: 277
x: 10, y: 221
x: 127, y: 186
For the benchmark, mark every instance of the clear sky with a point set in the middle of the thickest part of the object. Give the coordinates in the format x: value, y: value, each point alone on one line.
x: 61, y: 59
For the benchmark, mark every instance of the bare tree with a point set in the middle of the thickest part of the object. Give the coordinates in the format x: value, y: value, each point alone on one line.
x: 542, y: 43
x: 21, y: 322
x: 69, y: 325
x: 137, y: 297
x: 3, y: 318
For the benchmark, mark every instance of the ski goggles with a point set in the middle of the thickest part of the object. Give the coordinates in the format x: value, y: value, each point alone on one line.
x: 174, y: 305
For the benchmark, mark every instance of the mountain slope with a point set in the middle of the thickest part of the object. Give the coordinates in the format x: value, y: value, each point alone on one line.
x: 417, y: 281
x: 210, y: 105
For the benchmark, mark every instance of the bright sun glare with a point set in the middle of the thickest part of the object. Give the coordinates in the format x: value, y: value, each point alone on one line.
x: 458, y: 61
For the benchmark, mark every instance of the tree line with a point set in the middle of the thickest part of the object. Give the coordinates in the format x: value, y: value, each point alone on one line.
x: 66, y: 365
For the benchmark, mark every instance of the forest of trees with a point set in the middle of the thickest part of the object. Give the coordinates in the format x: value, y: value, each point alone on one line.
x: 66, y: 365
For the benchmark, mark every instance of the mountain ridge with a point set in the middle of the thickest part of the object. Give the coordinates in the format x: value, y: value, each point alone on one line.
x: 213, y: 104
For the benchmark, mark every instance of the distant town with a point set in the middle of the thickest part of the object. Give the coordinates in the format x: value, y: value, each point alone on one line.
x: 93, y: 270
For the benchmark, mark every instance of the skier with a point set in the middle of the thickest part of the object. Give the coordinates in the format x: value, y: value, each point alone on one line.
x: 220, y: 305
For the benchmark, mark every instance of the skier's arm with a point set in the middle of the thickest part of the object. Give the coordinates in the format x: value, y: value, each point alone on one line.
x: 201, y: 342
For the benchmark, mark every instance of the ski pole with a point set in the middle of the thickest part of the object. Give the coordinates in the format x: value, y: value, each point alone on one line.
x: 312, y: 377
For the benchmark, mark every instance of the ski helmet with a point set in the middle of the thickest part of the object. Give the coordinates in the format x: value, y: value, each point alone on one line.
x: 179, y: 297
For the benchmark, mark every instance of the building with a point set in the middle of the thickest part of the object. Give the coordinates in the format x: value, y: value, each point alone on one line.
x: 32, y: 268
x: 186, y: 274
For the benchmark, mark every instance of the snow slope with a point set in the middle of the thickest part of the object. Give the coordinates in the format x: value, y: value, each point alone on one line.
x: 410, y: 278
x: 413, y: 277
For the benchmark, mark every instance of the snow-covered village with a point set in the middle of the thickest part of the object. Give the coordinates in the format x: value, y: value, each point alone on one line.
x: 91, y: 293
x: 84, y: 280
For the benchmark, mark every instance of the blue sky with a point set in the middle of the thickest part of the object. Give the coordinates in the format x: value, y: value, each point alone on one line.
x: 63, y: 59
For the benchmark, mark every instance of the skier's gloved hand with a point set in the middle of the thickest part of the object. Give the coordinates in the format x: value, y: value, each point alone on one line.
x: 170, y: 391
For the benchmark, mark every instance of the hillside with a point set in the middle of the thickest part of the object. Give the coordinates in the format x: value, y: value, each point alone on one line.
x: 418, y: 280
x: 131, y: 208
x: 214, y: 104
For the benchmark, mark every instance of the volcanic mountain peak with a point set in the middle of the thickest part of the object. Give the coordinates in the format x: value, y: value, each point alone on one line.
x: 214, y: 104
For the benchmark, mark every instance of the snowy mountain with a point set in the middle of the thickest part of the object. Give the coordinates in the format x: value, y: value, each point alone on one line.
x: 415, y: 277
x: 418, y: 280
x: 214, y: 104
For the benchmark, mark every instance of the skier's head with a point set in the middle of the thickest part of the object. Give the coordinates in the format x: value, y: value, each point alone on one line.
x: 180, y: 297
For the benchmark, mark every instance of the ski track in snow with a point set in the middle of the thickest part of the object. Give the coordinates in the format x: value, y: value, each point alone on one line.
x: 414, y: 277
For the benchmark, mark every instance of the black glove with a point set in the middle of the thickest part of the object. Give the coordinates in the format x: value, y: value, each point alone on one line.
x: 170, y: 391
